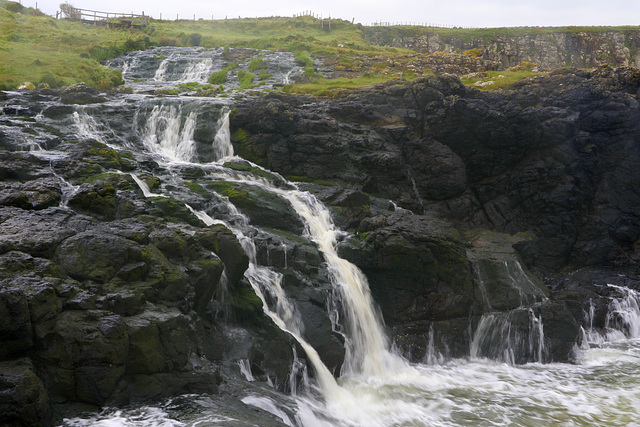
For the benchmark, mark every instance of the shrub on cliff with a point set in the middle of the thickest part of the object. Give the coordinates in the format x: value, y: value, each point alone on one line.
x: 218, y: 77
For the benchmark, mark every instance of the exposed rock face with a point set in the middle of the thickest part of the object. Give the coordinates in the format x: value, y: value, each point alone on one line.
x: 554, y: 156
x: 453, y: 196
x: 548, y: 49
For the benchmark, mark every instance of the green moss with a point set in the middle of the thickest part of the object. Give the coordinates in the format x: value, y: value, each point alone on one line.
x: 245, y: 303
x: 240, y: 135
x: 256, y: 64
x: 173, y: 210
x: 252, y: 170
x: 197, y: 189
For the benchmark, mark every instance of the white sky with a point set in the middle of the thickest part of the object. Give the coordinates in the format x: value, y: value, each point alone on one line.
x: 468, y: 13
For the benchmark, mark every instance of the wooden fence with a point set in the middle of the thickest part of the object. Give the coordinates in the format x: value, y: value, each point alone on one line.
x: 107, y: 19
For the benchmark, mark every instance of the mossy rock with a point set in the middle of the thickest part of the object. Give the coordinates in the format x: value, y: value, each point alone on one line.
x: 262, y: 207
x: 246, y: 305
x: 223, y: 242
x: 197, y: 189
x: 173, y: 210
x: 98, y: 199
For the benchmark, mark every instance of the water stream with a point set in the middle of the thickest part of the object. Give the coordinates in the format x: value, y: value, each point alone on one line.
x: 376, y: 386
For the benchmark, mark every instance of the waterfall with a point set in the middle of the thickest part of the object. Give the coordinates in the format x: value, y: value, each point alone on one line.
x: 222, y: 141
x: 376, y: 387
x: 197, y: 71
x: 267, y: 284
x: 513, y: 337
x: 622, y: 320
x: 367, y: 349
x: 161, y: 72
x: 166, y: 134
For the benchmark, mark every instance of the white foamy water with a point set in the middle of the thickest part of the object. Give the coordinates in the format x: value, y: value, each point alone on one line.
x: 603, y: 390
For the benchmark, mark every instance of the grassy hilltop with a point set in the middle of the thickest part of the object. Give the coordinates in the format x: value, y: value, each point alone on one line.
x: 40, y: 49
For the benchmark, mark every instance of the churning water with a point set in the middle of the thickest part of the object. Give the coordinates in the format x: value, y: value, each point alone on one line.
x: 377, y: 387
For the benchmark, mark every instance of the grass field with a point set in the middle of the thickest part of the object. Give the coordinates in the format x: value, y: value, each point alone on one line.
x: 40, y: 49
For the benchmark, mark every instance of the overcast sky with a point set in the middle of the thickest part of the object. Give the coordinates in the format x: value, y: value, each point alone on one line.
x: 468, y: 13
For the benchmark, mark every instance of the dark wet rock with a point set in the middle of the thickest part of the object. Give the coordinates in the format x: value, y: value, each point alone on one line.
x: 224, y: 243
x: 97, y: 199
x: 419, y: 268
x: 83, y: 358
x: 80, y: 94
x: 16, y: 332
x: 81, y: 256
x: 350, y: 206
x: 530, y: 159
x: 262, y: 207
x: 23, y: 397
x: 38, y: 232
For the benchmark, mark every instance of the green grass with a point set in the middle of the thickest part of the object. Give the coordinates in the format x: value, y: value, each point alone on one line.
x: 500, y: 79
x: 33, y: 45
x: 327, y: 87
x: 38, y: 48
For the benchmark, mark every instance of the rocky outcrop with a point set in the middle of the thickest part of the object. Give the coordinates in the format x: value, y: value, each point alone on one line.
x: 459, y: 203
x: 537, y: 158
x: 551, y: 158
x: 508, y: 47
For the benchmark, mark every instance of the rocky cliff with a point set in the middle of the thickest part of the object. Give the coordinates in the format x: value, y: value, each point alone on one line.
x: 553, y: 161
x: 504, y: 48
x: 458, y: 203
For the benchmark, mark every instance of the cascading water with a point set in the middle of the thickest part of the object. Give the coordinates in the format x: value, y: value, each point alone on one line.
x: 622, y: 320
x: 168, y: 132
x: 222, y: 141
x: 376, y: 387
x: 513, y: 337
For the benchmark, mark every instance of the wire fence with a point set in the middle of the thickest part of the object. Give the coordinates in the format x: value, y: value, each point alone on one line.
x: 324, y: 19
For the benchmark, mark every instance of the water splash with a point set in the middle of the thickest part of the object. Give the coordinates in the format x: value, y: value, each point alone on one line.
x: 513, y: 337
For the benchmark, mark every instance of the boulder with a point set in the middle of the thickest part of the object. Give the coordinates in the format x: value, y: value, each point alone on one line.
x: 80, y: 94
x: 419, y: 269
x: 23, y: 397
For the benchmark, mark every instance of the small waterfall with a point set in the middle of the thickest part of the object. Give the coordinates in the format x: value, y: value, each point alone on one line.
x: 245, y: 369
x: 198, y: 71
x: 513, y: 337
x: 432, y: 355
x: 222, y: 141
x: 128, y: 65
x: 161, y: 72
x: 416, y: 192
x: 624, y: 312
x: 143, y: 186
x: 622, y: 320
x: 166, y: 134
x: 68, y: 191
x: 87, y: 126
x: 367, y: 349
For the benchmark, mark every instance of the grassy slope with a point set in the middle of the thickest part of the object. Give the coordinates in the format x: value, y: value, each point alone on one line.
x: 39, y: 48
x: 32, y: 47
